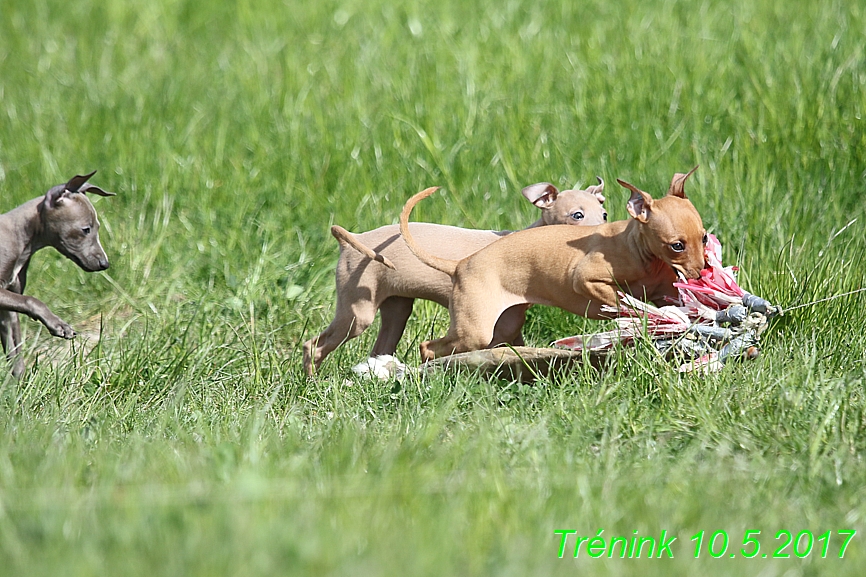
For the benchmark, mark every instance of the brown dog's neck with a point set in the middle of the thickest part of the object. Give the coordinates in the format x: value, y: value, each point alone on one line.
x: 654, y: 266
x: 638, y: 244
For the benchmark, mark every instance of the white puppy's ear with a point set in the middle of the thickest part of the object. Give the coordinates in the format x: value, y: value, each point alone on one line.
x: 597, y: 189
x: 542, y: 195
x: 640, y: 204
x: 678, y: 183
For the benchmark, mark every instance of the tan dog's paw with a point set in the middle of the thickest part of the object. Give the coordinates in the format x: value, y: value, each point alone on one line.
x: 426, y: 353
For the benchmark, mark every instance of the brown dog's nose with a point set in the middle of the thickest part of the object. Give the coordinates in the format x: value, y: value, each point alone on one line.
x: 693, y: 273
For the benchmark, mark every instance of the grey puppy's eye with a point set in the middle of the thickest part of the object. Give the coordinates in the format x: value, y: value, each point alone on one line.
x: 86, y: 230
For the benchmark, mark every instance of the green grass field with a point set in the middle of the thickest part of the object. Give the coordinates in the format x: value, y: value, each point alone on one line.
x: 178, y: 434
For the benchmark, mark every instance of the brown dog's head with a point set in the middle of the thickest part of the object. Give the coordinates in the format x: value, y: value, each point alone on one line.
x: 70, y: 223
x: 671, y: 228
x: 581, y: 207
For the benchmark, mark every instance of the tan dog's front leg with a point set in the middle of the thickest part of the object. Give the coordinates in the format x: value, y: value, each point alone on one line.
x: 350, y: 320
x: 590, y: 295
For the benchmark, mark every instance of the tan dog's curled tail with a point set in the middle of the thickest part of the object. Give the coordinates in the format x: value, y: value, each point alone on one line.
x: 344, y: 236
x: 440, y: 264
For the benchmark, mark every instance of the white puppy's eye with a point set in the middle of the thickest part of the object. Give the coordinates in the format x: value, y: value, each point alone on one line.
x: 577, y: 215
x: 678, y: 246
x: 604, y: 217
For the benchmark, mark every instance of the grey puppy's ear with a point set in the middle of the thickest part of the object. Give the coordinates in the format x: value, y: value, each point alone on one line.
x: 76, y: 181
x: 95, y: 190
x: 54, y: 196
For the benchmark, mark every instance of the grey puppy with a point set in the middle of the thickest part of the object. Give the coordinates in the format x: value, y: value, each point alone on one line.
x: 62, y: 218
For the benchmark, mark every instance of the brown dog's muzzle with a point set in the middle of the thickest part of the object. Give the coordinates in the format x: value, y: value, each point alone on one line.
x: 686, y: 274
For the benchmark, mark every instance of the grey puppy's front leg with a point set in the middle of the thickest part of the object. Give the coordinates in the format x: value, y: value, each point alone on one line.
x: 10, y: 335
x: 35, y: 309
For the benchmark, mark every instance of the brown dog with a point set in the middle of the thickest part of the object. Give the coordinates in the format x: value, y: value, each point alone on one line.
x: 578, y: 269
x: 392, y: 284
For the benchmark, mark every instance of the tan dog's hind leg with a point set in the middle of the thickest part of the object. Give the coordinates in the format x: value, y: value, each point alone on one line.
x: 473, y: 329
x: 509, y: 325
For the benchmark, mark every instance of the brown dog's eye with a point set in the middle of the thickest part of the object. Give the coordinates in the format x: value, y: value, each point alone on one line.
x: 678, y: 246
x: 705, y: 240
x: 577, y: 215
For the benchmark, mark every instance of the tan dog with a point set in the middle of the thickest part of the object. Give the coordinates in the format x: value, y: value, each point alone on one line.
x: 363, y: 287
x: 578, y: 269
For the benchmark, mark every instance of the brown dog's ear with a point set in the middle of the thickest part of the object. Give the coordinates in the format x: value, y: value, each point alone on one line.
x: 597, y: 190
x: 640, y: 204
x: 542, y: 195
x: 76, y: 181
x: 679, y: 182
